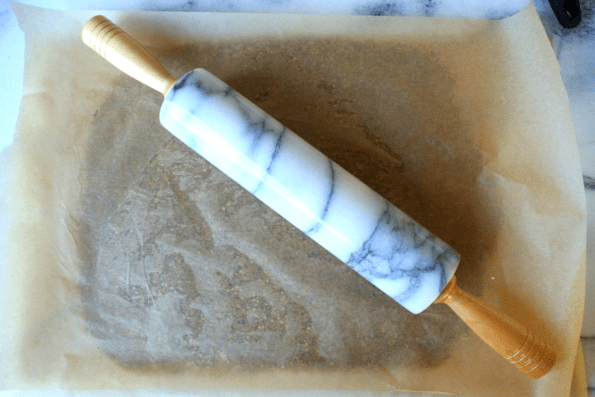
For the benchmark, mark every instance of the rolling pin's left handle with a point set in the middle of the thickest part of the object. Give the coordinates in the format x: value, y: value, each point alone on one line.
x: 125, y: 53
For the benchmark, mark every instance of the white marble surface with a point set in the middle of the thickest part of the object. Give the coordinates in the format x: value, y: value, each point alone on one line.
x: 480, y: 9
x: 575, y: 49
x: 339, y: 212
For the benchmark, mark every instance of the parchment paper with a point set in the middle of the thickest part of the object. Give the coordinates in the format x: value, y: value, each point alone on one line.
x: 136, y: 264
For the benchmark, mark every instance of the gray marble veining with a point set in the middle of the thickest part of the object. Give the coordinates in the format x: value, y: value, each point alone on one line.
x: 318, y: 196
x: 475, y: 9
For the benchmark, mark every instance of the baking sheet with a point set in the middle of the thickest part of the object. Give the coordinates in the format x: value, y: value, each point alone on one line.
x: 136, y: 264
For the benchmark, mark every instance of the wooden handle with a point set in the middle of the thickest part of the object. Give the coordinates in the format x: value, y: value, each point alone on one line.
x: 513, y: 341
x: 126, y: 54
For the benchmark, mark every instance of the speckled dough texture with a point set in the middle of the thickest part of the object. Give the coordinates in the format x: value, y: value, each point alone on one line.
x: 221, y: 277
x: 137, y: 264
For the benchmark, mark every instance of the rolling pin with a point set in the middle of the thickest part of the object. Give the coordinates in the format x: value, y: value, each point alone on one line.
x: 335, y: 209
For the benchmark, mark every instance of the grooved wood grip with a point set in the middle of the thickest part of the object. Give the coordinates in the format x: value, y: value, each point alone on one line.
x: 513, y: 341
x: 125, y: 53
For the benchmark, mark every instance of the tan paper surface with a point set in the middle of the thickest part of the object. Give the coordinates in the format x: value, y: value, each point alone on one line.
x: 136, y: 264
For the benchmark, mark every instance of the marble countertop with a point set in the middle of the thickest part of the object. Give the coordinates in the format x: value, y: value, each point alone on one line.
x: 574, y: 48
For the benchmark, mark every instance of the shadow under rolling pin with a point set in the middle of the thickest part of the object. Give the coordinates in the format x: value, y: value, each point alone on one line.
x: 331, y: 206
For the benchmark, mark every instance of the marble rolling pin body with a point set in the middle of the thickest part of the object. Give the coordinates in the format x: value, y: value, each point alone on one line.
x: 339, y: 212
x: 320, y: 198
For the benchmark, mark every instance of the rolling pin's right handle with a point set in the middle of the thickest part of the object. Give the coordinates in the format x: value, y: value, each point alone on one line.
x: 125, y: 53
x: 526, y: 351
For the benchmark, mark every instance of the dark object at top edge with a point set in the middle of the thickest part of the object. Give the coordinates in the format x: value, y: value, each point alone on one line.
x: 568, y: 12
